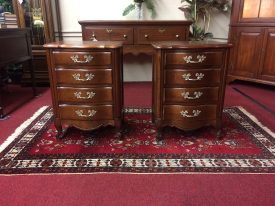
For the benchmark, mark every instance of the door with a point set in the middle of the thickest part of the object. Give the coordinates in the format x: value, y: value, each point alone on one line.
x: 245, y: 56
x: 267, y: 71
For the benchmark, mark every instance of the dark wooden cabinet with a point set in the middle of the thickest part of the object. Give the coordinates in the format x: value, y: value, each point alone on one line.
x: 189, y: 84
x: 86, y: 84
x: 136, y: 36
x: 42, y: 17
x: 252, y: 30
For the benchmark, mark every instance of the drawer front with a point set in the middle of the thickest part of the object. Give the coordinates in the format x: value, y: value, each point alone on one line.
x: 85, y: 95
x: 191, y: 95
x: 74, y: 112
x: 192, y: 77
x: 145, y: 35
x: 109, y: 34
x: 84, y: 76
x: 82, y: 58
x: 186, y: 113
x: 195, y: 59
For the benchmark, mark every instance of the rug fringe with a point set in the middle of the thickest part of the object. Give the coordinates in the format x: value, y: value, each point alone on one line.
x: 18, y: 130
x: 254, y: 119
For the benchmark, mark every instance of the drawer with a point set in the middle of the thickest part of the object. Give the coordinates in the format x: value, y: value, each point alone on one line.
x: 109, y: 34
x: 145, y: 35
x: 84, y: 76
x: 192, y: 77
x: 195, y: 59
x: 186, y: 113
x: 82, y: 58
x: 201, y: 95
x: 85, y: 95
x: 85, y: 112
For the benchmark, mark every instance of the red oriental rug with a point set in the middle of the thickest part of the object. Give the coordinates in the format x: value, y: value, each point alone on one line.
x: 245, y: 147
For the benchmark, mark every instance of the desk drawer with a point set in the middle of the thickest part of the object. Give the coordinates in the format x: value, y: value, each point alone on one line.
x: 200, y: 95
x: 85, y: 95
x: 186, y: 113
x: 86, y: 112
x: 84, y: 76
x: 82, y: 58
x: 192, y: 77
x: 145, y: 35
x: 195, y: 59
x: 109, y: 34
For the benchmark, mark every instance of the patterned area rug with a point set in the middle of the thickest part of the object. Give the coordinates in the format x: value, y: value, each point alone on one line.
x: 245, y: 147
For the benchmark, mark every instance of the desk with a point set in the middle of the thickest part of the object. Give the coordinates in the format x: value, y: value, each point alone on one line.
x: 15, y: 48
x: 136, y: 36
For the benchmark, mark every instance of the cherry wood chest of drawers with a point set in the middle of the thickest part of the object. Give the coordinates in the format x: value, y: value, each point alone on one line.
x: 135, y: 35
x: 189, y: 84
x: 86, y: 84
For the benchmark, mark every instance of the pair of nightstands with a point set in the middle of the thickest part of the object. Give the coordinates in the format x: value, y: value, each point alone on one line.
x: 87, y: 84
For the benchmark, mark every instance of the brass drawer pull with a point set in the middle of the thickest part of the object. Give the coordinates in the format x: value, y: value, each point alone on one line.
x: 90, y: 95
x: 196, y: 95
x: 198, y: 75
x: 200, y: 59
x: 185, y: 113
x: 88, y: 77
x: 161, y: 30
x: 146, y: 36
x: 80, y: 112
x: 177, y: 36
x: 88, y: 58
x: 93, y: 38
x: 109, y: 31
x: 125, y: 36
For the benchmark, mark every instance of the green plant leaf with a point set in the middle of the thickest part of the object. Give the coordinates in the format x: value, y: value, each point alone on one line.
x: 149, y: 4
x: 128, y: 9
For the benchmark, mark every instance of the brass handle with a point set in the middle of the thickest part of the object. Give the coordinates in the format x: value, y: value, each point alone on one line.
x: 161, y: 30
x: 196, y: 95
x: 88, y: 77
x: 88, y: 58
x: 185, y: 113
x: 109, y: 30
x: 188, y: 75
x: 177, y: 36
x: 125, y: 36
x: 90, y: 95
x: 80, y: 112
x: 200, y: 59
x: 146, y: 36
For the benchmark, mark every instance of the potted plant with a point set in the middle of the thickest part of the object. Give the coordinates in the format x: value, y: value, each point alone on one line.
x: 199, y: 11
x: 137, y: 4
x: 6, y: 6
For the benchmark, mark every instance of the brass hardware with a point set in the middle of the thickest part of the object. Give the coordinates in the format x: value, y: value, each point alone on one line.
x: 93, y: 38
x: 177, y: 36
x: 188, y: 75
x: 200, y: 59
x: 125, y: 36
x: 88, y: 58
x: 88, y: 77
x: 146, y: 36
x: 90, y: 95
x: 109, y: 30
x: 80, y: 112
x: 185, y: 113
x: 196, y: 95
x: 161, y: 30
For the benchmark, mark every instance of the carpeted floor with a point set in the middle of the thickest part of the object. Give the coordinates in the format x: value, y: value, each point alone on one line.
x: 131, y: 189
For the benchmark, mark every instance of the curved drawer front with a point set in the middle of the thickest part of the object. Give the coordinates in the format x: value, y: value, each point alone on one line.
x: 145, y: 35
x: 189, y: 113
x: 82, y: 58
x: 84, y: 76
x: 83, y: 112
x: 85, y: 95
x: 109, y: 34
x: 195, y: 59
x: 192, y: 77
x: 191, y: 95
